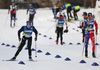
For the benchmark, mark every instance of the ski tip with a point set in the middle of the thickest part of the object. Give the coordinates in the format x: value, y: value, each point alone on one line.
x: 9, y: 60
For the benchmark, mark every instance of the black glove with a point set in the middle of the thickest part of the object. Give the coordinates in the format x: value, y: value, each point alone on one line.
x: 19, y: 39
x: 65, y: 31
x: 80, y: 27
x: 35, y: 39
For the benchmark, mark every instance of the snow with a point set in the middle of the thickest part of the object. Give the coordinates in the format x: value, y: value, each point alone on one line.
x: 45, y: 26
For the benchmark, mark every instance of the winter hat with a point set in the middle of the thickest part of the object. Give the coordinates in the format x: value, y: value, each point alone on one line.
x: 13, y: 3
x: 61, y: 17
x: 84, y: 13
x: 89, y: 14
x: 28, y: 24
x: 77, y: 7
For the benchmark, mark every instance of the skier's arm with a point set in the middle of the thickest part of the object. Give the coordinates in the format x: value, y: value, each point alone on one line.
x: 66, y: 30
x: 56, y: 23
x: 96, y: 27
x: 16, y: 7
x: 85, y: 25
x: 80, y: 23
x: 53, y: 10
x: 19, y: 31
x: 66, y: 25
x: 57, y: 15
x: 27, y: 10
x: 9, y: 10
x: 65, y: 17
x: 34, y: 11
x: 35, y: 31
x: 56, y: 26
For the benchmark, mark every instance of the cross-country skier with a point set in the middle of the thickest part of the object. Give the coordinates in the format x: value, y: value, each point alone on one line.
x: 68, y: 6
x: 89, y: 30
x: 55, y: 10
x: 32, y: 12
x: 75, y: 10
x: 12, y: 10
x: 82, y: 22
x: 59, y: 28
x: 27, y: 35
x: 61, y: 12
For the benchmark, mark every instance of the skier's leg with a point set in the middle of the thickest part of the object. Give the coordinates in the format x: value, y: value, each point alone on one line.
x: 83, y: 32
x: 86, y: 44
x: 29, y: 47
x: 20, y: 47
x: 11, y: 20
x: 93, y: 43
x: 14, y: 18
x: 57, y: 35
x: 71, y: 14
x: 68, y: 16
x: 32, y: 18
x: 61, y: 37
x: 29, y: 17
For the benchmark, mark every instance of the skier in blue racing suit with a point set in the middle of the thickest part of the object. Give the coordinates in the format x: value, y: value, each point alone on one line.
x: 27, y: 35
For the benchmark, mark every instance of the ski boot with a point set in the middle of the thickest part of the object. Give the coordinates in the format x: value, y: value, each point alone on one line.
x: 10, y: 24
x: 30, y: 59
x: 56, y: 41
x: 13, y: 59
x: 14, y: 24
x: 86, y: 53
x: 83, y: 41
x: 93, y: 54
x: 61, y: 43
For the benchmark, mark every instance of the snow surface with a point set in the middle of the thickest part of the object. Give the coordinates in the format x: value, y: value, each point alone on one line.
x: 44, y: 24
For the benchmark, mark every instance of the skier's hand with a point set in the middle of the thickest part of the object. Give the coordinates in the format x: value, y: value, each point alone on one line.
x: 65, y: 31
x: 35, y: 39
x: 79, y: 26
x: 19, y: 39
x: 88, y: 23
x: 96, y: 33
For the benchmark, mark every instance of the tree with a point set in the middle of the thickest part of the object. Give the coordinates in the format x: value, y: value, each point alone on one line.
x: 92, y: 3
x: 4, y: 4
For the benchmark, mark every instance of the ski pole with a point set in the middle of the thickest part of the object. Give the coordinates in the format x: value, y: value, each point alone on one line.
x: 35, y: 50
x: 83, y: 47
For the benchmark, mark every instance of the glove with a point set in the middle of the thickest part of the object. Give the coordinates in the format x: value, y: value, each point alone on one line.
x: 79, y: 26
x: 19, y: 39
x: 96, y: 33
x: 65, y: 31
x: 35, y: 39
